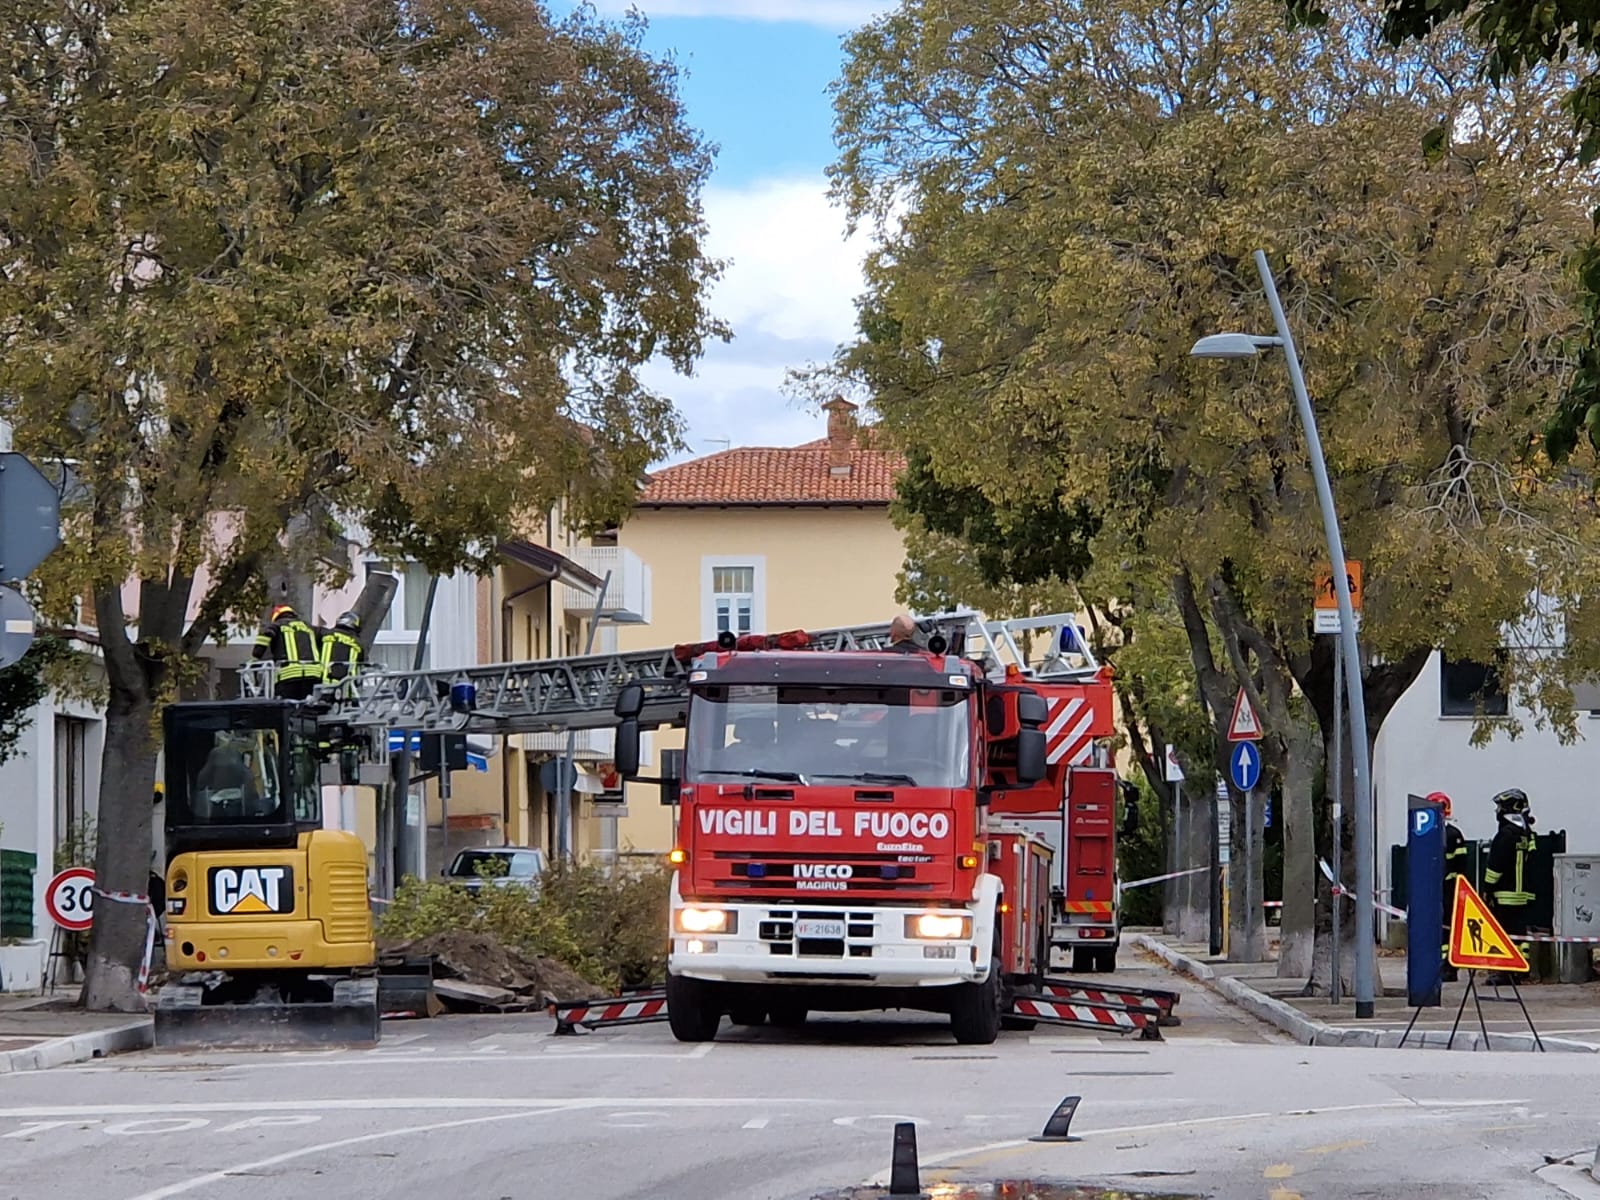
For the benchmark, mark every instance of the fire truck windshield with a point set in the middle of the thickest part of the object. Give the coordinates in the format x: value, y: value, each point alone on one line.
x: 914, y: 736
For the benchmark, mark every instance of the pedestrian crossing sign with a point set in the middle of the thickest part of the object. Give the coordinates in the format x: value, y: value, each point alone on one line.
x: 1477, y: 940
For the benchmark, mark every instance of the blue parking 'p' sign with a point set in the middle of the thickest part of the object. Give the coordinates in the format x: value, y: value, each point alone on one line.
x: 1422, y: 820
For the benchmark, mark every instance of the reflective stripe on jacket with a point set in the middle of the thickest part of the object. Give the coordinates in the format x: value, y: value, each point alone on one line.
x: 340, y: 655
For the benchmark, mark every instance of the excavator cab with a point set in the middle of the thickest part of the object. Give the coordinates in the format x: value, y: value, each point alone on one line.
x: 269, y: 920
x: 241, y: 775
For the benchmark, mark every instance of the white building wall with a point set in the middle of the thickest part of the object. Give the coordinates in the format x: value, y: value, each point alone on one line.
x: 1419, y: 751
x: 28, y: 792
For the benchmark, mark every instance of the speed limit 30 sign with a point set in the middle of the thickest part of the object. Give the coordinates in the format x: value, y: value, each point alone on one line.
x: 70, y: 899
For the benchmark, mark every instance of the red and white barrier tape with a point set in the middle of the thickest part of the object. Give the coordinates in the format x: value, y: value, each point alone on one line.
x: 1162, y: 878
x: 149, y: 928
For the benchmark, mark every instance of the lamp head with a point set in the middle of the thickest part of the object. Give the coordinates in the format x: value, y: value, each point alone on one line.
x: 1232, y: 345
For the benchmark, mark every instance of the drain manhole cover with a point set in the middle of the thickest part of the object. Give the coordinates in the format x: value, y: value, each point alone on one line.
x: 1012, y: 1189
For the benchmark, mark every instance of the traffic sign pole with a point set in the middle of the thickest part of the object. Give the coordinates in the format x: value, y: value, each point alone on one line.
x: 1336, y: 985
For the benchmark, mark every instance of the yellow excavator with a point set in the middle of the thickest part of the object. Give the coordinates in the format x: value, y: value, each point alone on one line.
x: 269, y: 919
x: 269, y: 930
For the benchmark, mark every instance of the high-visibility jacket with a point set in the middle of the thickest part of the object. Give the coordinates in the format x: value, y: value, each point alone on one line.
x: 341, y: 654
x: 1455, y: 858
x: 1504, y: 877
x: 292, y: 644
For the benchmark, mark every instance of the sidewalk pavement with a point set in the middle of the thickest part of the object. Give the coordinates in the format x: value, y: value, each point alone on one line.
x: 38, y: 1032
x: 1567, y: 1016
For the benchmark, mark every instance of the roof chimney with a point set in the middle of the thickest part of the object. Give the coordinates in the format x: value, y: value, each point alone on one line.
x: 841, y: 435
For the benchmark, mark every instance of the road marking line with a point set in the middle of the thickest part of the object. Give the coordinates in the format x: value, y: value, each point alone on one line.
x: 756, y: 1123
x: 82, y: 1112
x: 169, y: 1124
x: 1278, y: 1171
x: 33, y: 1127
x: 1283, y: 1193
x: 547, y: 1058
x: 199, y: 1181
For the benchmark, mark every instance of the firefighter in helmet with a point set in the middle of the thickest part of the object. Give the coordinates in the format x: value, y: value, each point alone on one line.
x: 291, y: 643
x: 1505, y: 877
x: 341, y: 649
x: 1455, y: 866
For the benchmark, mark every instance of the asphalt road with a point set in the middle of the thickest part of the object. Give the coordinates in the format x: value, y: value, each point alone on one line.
x: 494, y: 1108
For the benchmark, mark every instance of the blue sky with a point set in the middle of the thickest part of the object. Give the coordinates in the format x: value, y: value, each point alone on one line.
x: 756, y: 74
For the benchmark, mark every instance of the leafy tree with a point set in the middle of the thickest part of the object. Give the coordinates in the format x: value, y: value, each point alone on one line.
x: 1542, y: 39
x: 277, y: 258
x: 1066, y: 195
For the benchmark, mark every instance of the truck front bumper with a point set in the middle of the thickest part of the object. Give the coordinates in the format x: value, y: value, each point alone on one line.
x: 763, y: 943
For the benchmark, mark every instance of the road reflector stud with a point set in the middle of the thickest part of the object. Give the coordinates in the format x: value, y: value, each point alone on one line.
x: 1056, y: 1128
x: 904, y: 1179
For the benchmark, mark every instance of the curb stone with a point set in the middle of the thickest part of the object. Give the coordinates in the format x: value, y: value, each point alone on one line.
x: 1310, y: 1032
x: 58, y: 1052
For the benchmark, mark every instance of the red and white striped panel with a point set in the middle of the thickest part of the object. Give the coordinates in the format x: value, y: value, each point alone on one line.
x: 1067, y: 730
x: 1083, y: 995
x: 1081, y: 1014
x: 620, y: 1010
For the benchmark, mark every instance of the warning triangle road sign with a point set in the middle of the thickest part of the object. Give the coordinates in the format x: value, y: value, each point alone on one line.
x: 1244, y: 727
x: 1477, y: 940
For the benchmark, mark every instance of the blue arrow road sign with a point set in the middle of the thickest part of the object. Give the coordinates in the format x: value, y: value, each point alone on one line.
x: 1244, y: 764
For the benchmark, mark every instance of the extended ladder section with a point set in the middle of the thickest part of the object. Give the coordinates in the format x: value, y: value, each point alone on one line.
x: 559, y: 694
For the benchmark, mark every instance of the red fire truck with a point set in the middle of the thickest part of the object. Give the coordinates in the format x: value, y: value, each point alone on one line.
x: 860, y: 828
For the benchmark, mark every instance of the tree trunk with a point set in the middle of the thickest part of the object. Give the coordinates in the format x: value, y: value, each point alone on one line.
x: 1296, y: 947
x: 1194, y: 909
x: 122, y: 859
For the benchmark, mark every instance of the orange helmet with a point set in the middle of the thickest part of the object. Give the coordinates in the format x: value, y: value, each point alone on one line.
x: 282, y: 610
x: 1441, y: 799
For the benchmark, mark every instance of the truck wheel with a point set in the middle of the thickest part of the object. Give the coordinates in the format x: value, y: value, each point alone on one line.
x: 692, y: 1009
x: 787, y: 1016
x: 1083, y: 961
x: 1106, y: 960
x: 975, y: 1011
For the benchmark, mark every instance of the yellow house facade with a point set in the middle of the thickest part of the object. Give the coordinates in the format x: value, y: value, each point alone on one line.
x: 540, y: 603
x: 758, y: 539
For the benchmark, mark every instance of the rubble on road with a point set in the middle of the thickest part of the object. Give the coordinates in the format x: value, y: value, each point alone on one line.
x: 476, y: 972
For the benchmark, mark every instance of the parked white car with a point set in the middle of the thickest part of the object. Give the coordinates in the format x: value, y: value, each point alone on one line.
x: 505, y: 865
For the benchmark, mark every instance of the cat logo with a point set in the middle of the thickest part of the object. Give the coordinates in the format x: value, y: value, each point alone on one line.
x: 242, y: 891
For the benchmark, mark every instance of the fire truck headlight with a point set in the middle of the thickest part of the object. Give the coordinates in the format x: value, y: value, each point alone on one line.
x: 938, y: 925
x: 705, y: 920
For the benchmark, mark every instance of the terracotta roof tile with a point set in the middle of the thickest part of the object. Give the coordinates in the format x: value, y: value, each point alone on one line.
x: 776, y: 475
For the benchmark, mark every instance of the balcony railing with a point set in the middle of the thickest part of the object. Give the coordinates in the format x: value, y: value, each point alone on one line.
x: 588, y: 745
x: 627, y: 599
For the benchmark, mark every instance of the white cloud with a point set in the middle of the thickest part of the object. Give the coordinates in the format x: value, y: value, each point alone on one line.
x: 832, y: 14
x: 788, y: 293
x: 792, y: 274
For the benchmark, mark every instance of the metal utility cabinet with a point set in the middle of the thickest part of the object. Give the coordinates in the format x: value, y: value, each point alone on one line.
x: 1577, y: 912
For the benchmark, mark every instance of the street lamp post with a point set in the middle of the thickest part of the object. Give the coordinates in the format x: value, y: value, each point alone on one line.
x: 1243, y: 345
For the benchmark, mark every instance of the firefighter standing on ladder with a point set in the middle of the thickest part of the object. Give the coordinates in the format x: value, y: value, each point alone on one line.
x: 341, y: 652
x: 1505, y: 878
x: 1455, y: 866
x: 292, y: 644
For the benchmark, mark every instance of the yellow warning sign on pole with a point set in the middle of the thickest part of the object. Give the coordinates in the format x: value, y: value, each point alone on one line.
x: 1477, y: 940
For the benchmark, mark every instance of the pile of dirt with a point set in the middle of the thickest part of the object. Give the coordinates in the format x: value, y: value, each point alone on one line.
x: 477, y: 971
